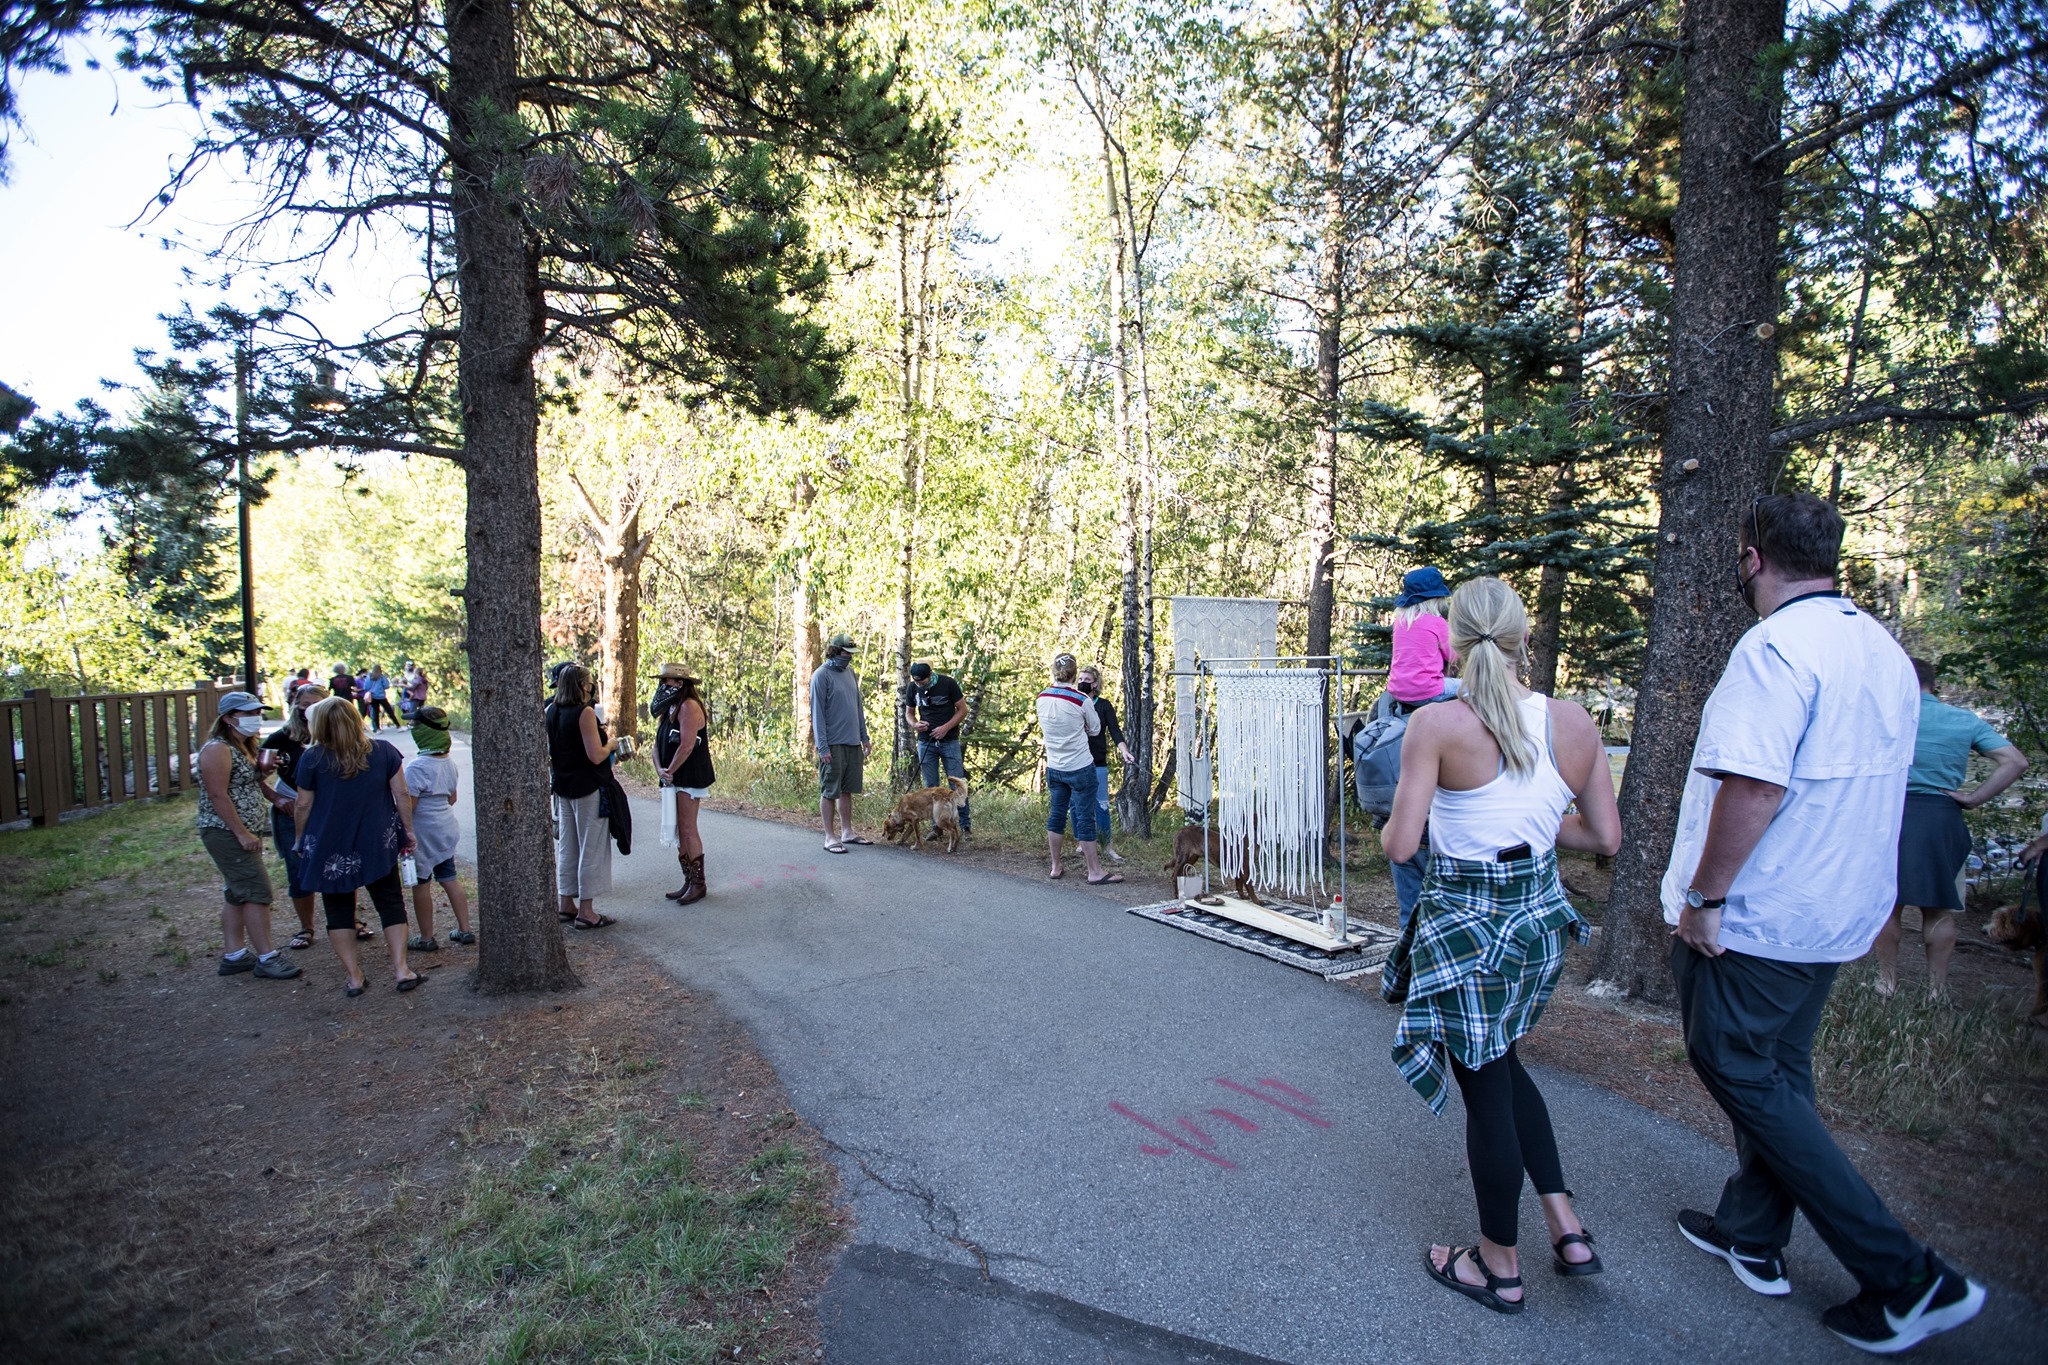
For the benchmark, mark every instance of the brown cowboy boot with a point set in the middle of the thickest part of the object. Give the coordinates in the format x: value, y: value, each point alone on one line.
x: 684, y: 889
x: 696, y: 888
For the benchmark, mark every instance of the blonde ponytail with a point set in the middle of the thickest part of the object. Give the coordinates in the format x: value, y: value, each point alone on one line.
x: 1489, y: 627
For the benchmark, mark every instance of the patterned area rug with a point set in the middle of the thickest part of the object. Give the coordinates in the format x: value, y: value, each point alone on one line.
x: 1367, y: 957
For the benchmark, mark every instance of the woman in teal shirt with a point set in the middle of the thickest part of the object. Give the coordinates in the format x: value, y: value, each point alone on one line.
x: 1933, y: 841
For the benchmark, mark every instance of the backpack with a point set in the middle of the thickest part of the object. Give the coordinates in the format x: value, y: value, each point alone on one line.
x: 1376, y: 764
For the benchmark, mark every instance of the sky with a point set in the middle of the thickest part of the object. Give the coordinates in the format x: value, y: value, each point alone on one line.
x: 86, y: 284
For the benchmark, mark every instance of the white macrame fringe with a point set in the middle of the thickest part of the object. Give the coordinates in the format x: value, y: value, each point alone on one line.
x: 1270, y: 773
x: 1211, y: 628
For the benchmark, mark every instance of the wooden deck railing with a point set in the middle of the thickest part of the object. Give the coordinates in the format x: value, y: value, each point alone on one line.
x: 74, y: 753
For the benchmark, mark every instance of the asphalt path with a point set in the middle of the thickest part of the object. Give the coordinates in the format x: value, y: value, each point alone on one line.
x: 1069, y: 1134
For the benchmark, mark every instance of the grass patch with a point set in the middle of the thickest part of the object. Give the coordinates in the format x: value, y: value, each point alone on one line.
x: 608, y: 1238
x: 1922, y: 1068
x: 139, y: 836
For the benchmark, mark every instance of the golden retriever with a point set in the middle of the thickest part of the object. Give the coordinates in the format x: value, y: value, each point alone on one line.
x: 940, y: 805
x: 1187, y: 856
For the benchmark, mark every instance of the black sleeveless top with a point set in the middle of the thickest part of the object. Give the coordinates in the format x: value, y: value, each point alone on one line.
x: 573, y: 773
x: 668, y: 737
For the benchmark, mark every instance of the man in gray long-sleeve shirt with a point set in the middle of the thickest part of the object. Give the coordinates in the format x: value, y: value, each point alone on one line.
x: 839, y: 732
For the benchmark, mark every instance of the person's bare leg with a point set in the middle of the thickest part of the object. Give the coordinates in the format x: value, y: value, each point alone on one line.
x: 1564, y: 1220
x: 1887, y: 950
x: 230, y: 926
x: 565, y: 906
x: 846, y: 815
x: 686, y: 826
x: 303, y: 905
x: 423, y: 908
x: 396, y: 942
x: 825, y: 819
x: 1089, y: 857
x: 1052, y: 844
x: 458, y: 901
x: 256, y: 924
x: 344, y: 944
x: 1938, y: 933
x: 1502, y: 1261
x: 585, y: 911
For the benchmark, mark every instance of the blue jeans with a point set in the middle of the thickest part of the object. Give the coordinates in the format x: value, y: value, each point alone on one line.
x: 285, y: 831
x: 1102, y: 801
x: 931, y: 754
x: 1073, y: 790
x: 1408, y: 881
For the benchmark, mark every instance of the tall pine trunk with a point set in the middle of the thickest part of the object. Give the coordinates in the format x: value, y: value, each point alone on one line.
x: 622, y: 548
x: 1320, y: 580
x: 520, y: 948
x: 1716, y: 444
x: 806, y: 646
x: 911, y: 358
x: 1129, y: 510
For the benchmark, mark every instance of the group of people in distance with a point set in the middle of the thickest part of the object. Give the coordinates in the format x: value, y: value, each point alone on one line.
x: 1787, y: 862
x: 348, y: 813
x: 371, y: 690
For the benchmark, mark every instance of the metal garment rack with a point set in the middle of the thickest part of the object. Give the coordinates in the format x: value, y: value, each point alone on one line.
x: 1333, y: 932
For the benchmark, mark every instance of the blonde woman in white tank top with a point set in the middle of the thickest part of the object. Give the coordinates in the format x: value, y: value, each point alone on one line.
x: 1491, y: 776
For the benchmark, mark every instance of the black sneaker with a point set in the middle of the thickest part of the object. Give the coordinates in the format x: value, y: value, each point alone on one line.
x: 230, y: 965
x: 277, y: 969
x: 1763, y: 1271
x: 1885, y: 1324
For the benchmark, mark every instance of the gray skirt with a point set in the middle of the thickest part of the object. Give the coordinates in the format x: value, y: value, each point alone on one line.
x: 1933, y: 845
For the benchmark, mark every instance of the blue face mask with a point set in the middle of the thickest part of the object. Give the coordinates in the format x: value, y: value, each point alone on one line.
x: 839, y: 661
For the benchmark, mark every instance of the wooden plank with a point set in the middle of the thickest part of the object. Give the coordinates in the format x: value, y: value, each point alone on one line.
x: 37, y: 728
x: 138, y: 740
x: 160, y: 717
x: 181, y: 703
x: 1274, y: 922
x: 12, y: 802
x: 89, y: 751
x: 118, y: 745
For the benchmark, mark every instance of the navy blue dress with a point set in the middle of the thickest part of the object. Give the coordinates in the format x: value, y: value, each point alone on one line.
x: 353, y: 836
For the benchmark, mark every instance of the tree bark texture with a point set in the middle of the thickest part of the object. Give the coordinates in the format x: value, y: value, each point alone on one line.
x: 622, y: 548
x: 1320, y: 583
x: 806, y: 646
x: 1130, y: 507
x: 1716, y: 445
x: 520, y: 947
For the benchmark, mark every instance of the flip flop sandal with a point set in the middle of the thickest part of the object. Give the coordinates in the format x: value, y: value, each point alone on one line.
x: 1564, y: 1267
x: 363, y: 935
x: 858, y: 839
x: 835, y: 847
x: 565, y: 918
x: 1055, y: 876
x: 601, y: 922
x: 1106, y: 880
x: 302, y: 939
x: 1448, y: 1277
x: 411, y: 983
x: 353, y: 991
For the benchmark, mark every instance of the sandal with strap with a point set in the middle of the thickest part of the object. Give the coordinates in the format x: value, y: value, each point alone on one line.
x: 601, y: 922
x: 1564, y: 1267
x: 302, y: 939
x: 1487, y: 1294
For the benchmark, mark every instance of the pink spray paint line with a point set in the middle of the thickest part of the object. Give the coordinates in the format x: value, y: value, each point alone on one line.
x: 1200, y: 1136
x: 1242, y: 1122
x: 1135, y: 1117
x: 1149, y: 1150
x: 1268, y: 1099
x: 1289, y: 1091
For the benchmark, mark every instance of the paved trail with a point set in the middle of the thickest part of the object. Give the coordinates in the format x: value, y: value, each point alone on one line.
x: 1072, y: 1135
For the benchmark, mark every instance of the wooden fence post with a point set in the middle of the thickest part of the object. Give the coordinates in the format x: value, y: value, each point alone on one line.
x: 48, y: 757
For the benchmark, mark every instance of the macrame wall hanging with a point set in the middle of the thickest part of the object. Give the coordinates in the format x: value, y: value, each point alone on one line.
x: 1235, y: 628
x: 1270, y: 775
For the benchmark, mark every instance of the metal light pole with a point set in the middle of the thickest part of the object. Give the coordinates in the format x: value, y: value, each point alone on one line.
x: 242, y: 514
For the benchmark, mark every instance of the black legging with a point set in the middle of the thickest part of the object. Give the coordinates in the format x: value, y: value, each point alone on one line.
x: 385, y: 894
x: 379, y: 704
x: 1507, y: 1131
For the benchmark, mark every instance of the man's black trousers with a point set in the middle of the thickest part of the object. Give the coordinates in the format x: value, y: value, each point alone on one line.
x: 1749, y: 1025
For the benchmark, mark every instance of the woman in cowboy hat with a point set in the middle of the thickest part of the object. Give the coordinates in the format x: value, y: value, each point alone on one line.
x: 682, y: 754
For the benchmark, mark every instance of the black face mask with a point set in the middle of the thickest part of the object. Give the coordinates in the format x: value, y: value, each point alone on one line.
x: 1085, y: 686
x: 1745, y: 588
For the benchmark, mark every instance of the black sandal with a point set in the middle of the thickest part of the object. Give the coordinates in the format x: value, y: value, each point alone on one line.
x: 601, y: 922
x: 411, y: 983
x: 1448, y: 1277
x: 1564, y: 1267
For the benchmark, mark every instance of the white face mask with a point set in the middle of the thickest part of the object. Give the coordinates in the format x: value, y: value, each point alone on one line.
x: 249, y: 725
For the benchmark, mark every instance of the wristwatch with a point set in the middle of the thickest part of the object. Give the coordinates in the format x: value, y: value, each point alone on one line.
x: 1695, y: 901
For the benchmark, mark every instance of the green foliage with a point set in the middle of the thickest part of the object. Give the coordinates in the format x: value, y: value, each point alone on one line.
x: 2000, y: 613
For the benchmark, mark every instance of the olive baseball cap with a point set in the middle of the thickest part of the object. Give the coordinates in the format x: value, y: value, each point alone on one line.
x: 842, y: 641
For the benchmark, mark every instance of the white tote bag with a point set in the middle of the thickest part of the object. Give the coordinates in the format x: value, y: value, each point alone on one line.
x: 669, y: 837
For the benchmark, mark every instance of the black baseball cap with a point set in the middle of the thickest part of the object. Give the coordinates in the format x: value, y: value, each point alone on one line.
x: 920, y: 671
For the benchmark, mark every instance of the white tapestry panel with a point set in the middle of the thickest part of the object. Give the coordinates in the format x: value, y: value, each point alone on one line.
x: 1270, y: 775
x: 1236, y: 628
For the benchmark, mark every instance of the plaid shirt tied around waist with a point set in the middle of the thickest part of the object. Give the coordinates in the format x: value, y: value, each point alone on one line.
x: 1479, y: 961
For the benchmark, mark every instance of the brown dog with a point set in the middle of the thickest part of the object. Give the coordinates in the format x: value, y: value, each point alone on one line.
x: 940, y: 805
x: 1187, y: 856
x: 2018, y: 934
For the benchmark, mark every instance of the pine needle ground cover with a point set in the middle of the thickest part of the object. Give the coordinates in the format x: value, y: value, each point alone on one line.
x: 203, y: 1168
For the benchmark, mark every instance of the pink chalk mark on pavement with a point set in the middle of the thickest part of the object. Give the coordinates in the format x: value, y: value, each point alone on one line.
x: 1289, y: 1091
x: 1281, y: 1105
x: 1242, y: 1122
x: 1200, y: 1136
x: 1135, y: 1117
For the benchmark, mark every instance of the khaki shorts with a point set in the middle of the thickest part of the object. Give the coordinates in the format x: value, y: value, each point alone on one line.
x: 840, y: 774
x: 244, y: 879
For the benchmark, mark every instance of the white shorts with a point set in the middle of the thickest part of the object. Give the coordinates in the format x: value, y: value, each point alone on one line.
x: 694, y: 793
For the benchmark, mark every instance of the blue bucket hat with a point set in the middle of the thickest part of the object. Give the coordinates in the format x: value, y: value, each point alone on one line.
x: 1420, y: 585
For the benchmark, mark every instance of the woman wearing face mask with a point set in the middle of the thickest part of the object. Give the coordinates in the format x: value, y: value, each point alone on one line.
x: 233, y: 805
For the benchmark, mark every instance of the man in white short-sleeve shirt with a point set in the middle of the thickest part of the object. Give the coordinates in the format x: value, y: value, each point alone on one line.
x: 1783, y: 867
